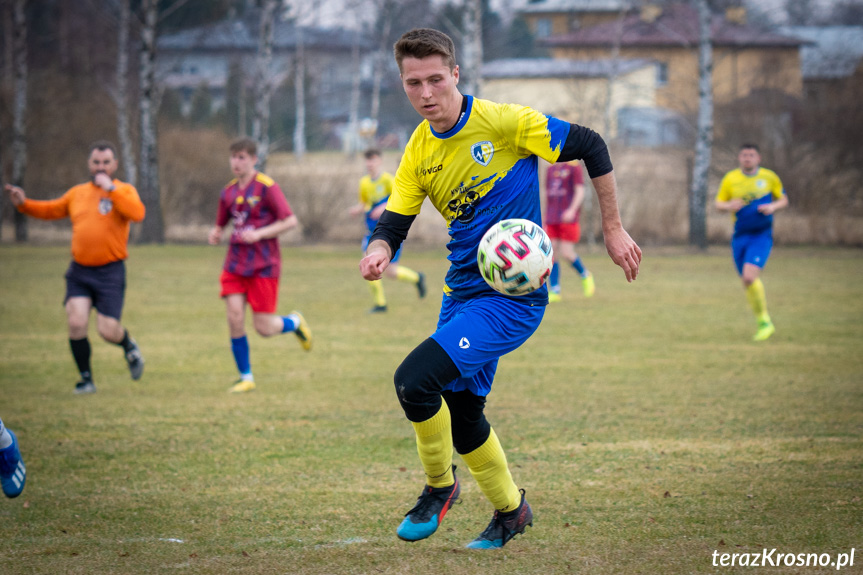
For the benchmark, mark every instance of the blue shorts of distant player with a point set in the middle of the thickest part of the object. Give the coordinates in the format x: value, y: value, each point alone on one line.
x: 477, y: 332
x: 752, y: 248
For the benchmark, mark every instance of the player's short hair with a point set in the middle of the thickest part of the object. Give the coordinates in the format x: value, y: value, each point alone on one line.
x: 371, y: 153
x: 423, y: 42
x: 247, y: 145
x: 102, y: 145
x: 749, y: 146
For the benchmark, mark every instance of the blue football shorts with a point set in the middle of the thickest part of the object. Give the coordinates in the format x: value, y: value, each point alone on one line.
x: 752, y: 248
x: 476, y: 333
x: 104, y: 285
x: 396, y: 257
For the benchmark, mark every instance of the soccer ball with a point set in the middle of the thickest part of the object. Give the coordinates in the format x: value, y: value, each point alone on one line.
x: 515, y: 257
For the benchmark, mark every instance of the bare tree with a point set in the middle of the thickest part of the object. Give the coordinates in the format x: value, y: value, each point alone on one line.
x: 300, y: 95
x: 121, y: 96
x: 704, y: 138
x: 354, y: 111
x: 472, y: 46
x: 19, y: 122
x: 589, y: 208
x: 8, y: 79
x: 385, y: 11
x: 8, y: 44
x: 304, y: 12
x: 152, y: 229
x: 263, y: 82
x: 2, y: 180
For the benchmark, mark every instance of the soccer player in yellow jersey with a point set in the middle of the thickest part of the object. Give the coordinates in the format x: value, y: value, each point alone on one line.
x: 477, y: 161
x: 752, y: 194
x: 375, y: 189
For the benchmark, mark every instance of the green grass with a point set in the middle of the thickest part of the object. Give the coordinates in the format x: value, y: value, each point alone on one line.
x: 646, y: 427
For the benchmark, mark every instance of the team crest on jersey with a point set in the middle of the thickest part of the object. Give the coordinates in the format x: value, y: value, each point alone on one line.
x: 105, y: 205
x: 481, y: 152
x: 254, y: 200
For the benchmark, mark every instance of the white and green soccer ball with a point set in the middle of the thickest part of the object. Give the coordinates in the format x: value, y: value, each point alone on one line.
x: 515, y: 257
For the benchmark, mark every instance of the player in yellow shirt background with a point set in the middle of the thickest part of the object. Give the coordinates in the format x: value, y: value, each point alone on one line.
x: 752, y: 194
x: 375, y: 189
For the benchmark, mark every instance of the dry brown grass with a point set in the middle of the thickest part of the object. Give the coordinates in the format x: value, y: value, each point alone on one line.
x: 653, y: 184
x: 194, y: 168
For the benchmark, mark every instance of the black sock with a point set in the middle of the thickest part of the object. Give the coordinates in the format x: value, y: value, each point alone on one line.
x: 81, y: 353
x: 126, y: 342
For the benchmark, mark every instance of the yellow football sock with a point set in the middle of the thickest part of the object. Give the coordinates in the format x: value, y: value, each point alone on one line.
x: 758, y: 300
x: 487, y: 464
x: 434, y: 445
x: 404, y: 274
x: 377, y: 289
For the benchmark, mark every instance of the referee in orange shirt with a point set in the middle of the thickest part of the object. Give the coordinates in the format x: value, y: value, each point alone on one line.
x: 100, y: 210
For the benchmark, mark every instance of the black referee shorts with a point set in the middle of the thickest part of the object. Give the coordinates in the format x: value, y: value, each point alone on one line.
x: 104, y: 285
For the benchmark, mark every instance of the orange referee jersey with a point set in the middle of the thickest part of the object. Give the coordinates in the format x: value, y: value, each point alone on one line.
x: 100, y: 219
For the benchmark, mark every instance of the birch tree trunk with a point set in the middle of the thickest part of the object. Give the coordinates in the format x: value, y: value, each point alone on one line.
x: 8, y: 44
x: 378, y: 72
x: 300, y: 95
x: 122, y: 96
x: 19, y: 118
x: 263, y: 84
x: 473, y: 46
x: 591, y: 214
x: 152, y: 229
x: 241, y: 106
x: 704, y: 138
x: 354, y: 112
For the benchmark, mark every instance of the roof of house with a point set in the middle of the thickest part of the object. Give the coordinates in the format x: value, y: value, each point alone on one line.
x: 836, y: 51
x: 559, y: 68
x: 573, y: 6
x: 242, y: 34
x: 677, y: 25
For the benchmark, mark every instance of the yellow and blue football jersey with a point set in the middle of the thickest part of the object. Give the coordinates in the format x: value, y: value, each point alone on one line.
x: 760, y: 188
x: 373, y: 193
x: 482, y: 171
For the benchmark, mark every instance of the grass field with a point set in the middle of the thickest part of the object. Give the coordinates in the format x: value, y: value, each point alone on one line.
x: 647, y: 429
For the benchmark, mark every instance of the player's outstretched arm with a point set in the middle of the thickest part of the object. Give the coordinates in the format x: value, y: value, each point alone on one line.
x: 620, y: 246
x: 16, y: 194
x: 43, y: 209
x: 377, y: 260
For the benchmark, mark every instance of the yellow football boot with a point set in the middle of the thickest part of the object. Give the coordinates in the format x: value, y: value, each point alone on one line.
x: 588, y: 286
x: 765, y: 330
x: 304, y: 332
x: 242, y: 386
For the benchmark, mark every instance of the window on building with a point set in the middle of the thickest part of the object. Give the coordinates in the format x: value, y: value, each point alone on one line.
x: 543, y: 27
x: 661, y: 74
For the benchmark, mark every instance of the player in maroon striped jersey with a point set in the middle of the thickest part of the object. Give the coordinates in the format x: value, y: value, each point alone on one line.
x: 258, y: 211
